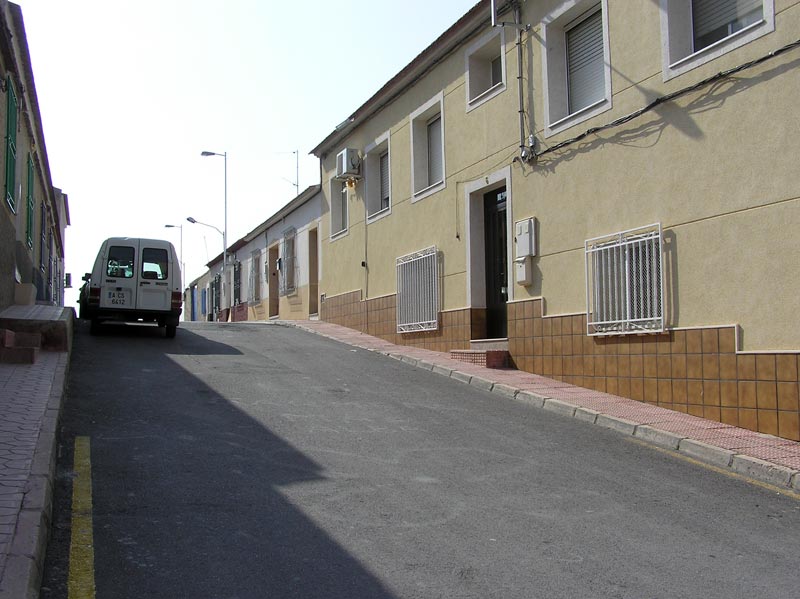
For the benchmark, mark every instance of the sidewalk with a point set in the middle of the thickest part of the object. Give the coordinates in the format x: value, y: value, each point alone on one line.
x: 756, y: 456
x: 30, y: 401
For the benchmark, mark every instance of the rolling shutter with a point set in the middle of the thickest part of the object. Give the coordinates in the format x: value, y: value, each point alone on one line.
x: 585, y: 72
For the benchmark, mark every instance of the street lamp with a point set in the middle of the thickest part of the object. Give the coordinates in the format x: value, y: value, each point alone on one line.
x: 183, y: 264
x: 194, y: 221
x: 225, y: 226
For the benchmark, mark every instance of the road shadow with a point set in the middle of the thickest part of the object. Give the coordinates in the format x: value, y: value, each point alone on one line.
x: 188, y: 490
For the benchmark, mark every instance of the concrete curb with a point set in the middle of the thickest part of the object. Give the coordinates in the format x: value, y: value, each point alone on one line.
x: 763, y: 471
x: 22, y: 576
x: 703, y: 452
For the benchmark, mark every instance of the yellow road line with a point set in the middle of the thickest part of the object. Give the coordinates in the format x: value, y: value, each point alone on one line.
x: 81, y: 547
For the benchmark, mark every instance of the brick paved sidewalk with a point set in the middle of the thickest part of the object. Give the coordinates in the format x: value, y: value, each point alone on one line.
x: 30, y: 400
x: 761, y: 457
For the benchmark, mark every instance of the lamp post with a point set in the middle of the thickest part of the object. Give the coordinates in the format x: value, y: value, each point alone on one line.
x: 225, y: 225
x: 183, y: 264
x: 194, y: 221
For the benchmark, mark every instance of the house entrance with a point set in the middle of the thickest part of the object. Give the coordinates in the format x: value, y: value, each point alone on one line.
x: 495, y: 237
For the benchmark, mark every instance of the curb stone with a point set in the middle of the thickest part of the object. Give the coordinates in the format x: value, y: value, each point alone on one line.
x: 531, y: 398
x: 587, y: 415
x: 442, y: 370
x: 762, y: 470
x: 658, y: 437
x: 460, y: 376
x: 560, y: 407
x: 618, y: 424
x: 505, y: 390
x: 710, y: 454
x: 481, y: 383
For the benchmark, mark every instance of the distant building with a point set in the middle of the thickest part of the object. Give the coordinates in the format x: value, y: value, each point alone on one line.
x: 612, y: 192
x: 35, y: 214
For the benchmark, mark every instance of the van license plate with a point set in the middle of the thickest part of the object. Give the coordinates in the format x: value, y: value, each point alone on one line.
x: 117, y: 298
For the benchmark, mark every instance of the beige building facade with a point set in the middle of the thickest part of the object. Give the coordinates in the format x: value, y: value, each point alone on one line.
x: 35, y: 214
x: 609, y: 186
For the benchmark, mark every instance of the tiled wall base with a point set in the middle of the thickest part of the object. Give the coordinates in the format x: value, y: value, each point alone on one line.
x: 378, y: 317
x: 697, y: 371
x: 239, y: 313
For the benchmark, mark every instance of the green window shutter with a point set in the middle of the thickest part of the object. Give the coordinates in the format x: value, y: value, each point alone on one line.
x: 11, y: 144
x: 30, y: 202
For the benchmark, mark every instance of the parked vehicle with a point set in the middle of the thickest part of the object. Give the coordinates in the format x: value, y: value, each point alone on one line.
x: 133, y: 280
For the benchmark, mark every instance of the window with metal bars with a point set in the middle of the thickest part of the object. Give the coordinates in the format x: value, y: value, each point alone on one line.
x: 30, y: 217
x: 418, y: 291
x: 624, y: 282
x: 237, y: 283
x: 254, y: 292
x: 11, y: 144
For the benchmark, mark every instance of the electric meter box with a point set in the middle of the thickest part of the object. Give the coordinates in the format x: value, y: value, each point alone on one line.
x: 525, y: 236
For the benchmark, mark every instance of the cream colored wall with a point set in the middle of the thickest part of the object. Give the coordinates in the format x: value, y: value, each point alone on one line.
x: 717, y: 168
x: 294, y: 306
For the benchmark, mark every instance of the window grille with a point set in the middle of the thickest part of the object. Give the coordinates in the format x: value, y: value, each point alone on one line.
x: 586, y: 76
x: 624, y: 282
x: 254, y: 289
x: 29, y: 216
x: 11, y: 144
x: 237, y: 283
x: 418, y: 291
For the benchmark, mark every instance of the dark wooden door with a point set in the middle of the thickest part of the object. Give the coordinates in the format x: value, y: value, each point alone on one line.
x: 495, y: 237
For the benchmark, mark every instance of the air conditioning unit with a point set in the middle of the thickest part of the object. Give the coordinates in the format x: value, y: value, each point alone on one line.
x: 348, y: 163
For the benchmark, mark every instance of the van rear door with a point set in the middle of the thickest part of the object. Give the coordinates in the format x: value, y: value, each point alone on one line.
x: 119, y: 272
x: 155, y: 292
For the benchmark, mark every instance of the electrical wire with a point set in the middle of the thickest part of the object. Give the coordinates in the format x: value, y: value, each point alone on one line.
x: 667, y: 98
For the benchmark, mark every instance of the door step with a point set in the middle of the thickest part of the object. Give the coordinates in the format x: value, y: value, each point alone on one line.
x: 19, y: 348
x: 490, y: 358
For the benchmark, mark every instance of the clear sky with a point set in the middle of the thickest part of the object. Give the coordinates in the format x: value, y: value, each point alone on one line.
x: 131, y: 91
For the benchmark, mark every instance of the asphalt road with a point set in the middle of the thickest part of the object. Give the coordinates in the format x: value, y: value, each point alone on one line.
x: 247, y: 461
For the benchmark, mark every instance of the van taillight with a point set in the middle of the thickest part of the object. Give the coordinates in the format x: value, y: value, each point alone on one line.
x: 94, y: 296
x: 177, y: 300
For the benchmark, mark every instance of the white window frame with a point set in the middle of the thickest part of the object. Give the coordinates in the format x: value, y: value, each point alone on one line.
x: 478, y: 63
x: 677, y: 56
x: 625, y: 282
x: 372, y: 174
x: 419, y: 120
x: 554, y: 65
x: 339, y: 194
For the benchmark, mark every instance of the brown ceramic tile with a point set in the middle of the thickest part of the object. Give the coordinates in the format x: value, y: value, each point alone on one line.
x: 746, y: 367
x: 711, y: 393
x: 766, y: 395
x: 588, y: 366
x: 665, y: 391
x: 765, y: 367
x: 538, y: 346
x: 694, y: 366
x: 651, y: 390
x: 537, y: 327
x: 664, y: 344
x: 680, y: 408
x: 678, y: 366
x: 527, y: 348
x: 729, y: 416
x: 599, y: 365
x: 711, y: 413
x: 547, y: 327
x: 711, y: 366
x: 768, y: 422
x: 695, y: 410
x: 748, y: 419
x: 788, y: 397
x: 679, y: 391
x: 566, y: 345
x: 650, y: 366
x: 786, y: 367
x: 727, y: 367
x: 789, y: 425
x: 694, y: 392
x: 694, y: 341
x: 635, y: 345
x: 558, y: 366
x: 611, y: 366
x: 664, y: 366
x: 637, y: 366
x: 612, y: 385
x: 547, y: 346
x: 729, y: 394
x: 727, y: 340
x: 624, y: 389
x: 527, y: 309
x: 678, y: 342
x: 527, y: 327
x: 624, y: 366
x: 637, y: 389
x: 557, y: 325
x: 538, y: 364
x: 537, y: 308
x: 547, y: 365
x: 650, y: 344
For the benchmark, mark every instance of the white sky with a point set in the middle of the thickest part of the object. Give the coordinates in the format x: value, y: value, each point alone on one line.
x: 131, y: 91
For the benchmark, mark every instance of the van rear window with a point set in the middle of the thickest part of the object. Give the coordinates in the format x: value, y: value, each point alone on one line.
x: 154, y: 264
x: 120, y: 262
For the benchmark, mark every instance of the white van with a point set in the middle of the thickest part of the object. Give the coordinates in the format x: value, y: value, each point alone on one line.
x: 133, y: 280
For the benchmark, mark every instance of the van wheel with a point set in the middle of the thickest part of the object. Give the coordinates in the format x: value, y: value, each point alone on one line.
x: 94, y: 328
x: 170, y: 330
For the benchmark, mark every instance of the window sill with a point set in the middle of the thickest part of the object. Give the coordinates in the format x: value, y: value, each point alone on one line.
x: 376, y: 216
x: 426, y: 191
x: 485, y: 96
x: 339, y: 234
x: 578, y: 116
